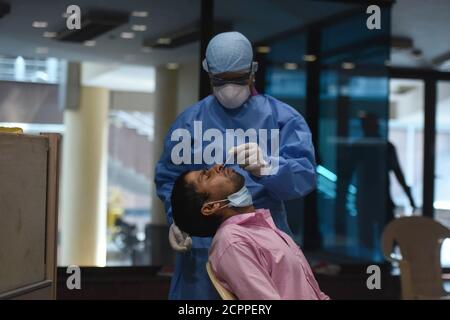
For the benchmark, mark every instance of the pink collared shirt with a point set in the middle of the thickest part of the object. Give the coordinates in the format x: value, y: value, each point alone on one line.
x: 255, y: 260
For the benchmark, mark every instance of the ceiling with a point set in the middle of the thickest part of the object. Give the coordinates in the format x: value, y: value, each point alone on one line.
x: 255, y: 18
x: 426, y: 22
x: 21, y: 38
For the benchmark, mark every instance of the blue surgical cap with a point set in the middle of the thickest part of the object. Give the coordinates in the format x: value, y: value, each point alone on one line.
x: 227, y: 52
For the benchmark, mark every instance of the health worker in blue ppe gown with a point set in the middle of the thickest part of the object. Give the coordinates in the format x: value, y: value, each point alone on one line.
x: 235, y: 104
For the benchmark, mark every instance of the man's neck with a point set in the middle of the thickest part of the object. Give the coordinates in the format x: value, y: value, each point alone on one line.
x: 233, y: 211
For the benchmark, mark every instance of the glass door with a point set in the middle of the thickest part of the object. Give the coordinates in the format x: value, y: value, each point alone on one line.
x: 442, y: 164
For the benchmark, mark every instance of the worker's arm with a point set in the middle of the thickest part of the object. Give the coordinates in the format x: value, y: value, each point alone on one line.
x: 294, y: 174
x: 243, y: 272
x: 166, y: 171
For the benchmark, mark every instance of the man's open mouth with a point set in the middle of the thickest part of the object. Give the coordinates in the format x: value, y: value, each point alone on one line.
x: 228, y: 172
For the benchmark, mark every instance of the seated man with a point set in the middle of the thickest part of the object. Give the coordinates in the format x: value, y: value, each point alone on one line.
x: 251, y: 257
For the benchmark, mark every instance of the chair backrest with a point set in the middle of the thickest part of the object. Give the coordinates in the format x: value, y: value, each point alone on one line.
x: 224, y: 293
x: 420, y: 240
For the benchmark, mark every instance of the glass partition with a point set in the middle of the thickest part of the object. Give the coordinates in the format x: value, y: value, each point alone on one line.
x: 352, y: 143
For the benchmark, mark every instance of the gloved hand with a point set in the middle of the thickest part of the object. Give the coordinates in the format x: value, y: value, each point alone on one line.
x: 179, y: 241
x: 250, y: 157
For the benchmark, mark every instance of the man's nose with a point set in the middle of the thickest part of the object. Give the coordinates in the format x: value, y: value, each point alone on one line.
x: 215, y: 169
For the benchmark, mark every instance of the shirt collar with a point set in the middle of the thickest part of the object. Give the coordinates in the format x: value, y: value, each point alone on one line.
x: 259, y: 217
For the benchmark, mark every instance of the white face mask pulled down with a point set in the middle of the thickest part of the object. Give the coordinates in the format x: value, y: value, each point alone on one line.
x: 232, y: 96
x: 240, y: 199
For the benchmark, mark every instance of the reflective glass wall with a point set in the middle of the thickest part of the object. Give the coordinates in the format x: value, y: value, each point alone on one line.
x: 353, y: 152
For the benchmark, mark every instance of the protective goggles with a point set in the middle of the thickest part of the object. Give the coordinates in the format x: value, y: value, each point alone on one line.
x: 241, y: 80
x: 218, y: 82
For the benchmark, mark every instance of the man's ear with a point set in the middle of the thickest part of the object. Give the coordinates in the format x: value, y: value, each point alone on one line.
x: 210, y: 208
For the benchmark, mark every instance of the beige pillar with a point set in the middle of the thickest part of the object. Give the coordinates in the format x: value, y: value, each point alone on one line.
x: 165, y: 114
x: 83, y: 187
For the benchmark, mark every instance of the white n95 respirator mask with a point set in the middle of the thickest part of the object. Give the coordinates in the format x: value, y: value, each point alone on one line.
x: 231, y: 95
x: 239, y: 199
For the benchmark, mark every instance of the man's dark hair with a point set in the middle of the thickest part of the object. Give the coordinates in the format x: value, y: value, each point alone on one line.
x: 186, y: 210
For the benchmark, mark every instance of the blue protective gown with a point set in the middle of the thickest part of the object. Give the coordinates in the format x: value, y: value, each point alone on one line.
x: 295, y: 177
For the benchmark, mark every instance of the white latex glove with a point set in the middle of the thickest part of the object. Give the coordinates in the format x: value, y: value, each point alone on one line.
x: 250, y: 157
x: 179, y: 241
